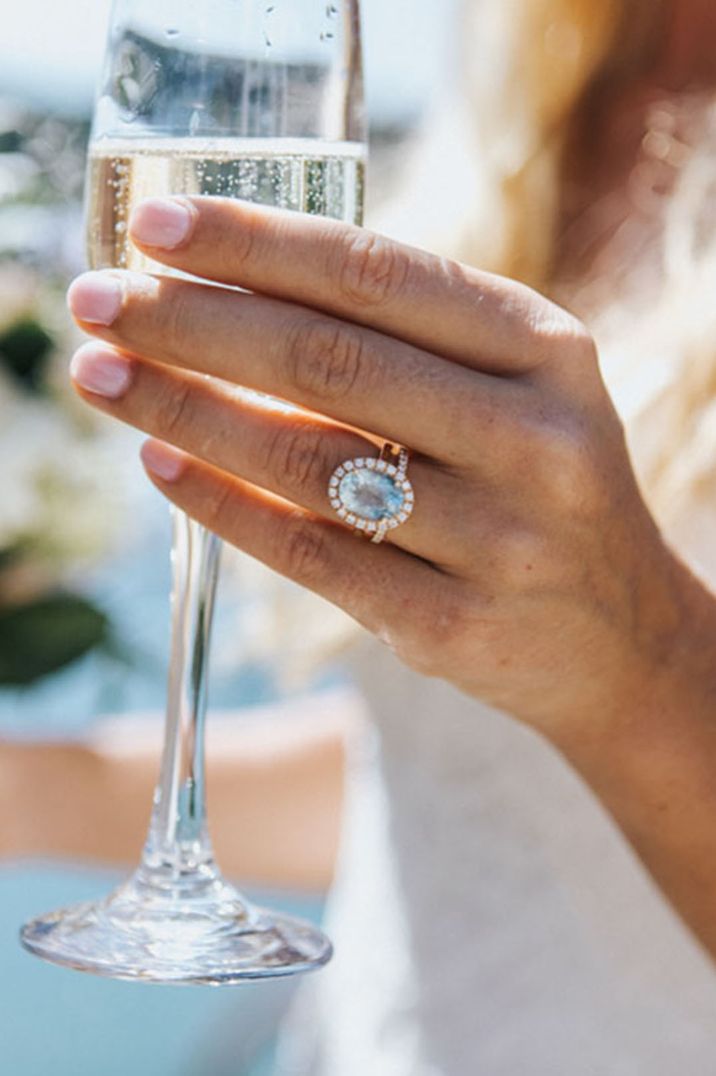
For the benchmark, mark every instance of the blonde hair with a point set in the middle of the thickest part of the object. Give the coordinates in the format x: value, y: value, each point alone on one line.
x: 533, y: 74
x: 552, y: 56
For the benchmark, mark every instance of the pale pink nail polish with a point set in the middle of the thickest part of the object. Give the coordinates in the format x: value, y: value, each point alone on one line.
x: 95, y: 298
x: 161, y: 222
x: 101, y: 371
x: 162, y: 460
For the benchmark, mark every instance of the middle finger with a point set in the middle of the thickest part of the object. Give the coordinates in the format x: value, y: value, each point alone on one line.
x: 354, y: 374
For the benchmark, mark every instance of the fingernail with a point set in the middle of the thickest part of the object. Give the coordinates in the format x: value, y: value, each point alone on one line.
x: 161, y: 222
x: 163, y: 460
x: 96, y: 298
x: 102, y: 371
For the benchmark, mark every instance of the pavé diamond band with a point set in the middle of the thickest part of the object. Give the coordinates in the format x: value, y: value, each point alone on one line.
x: 373, y: 495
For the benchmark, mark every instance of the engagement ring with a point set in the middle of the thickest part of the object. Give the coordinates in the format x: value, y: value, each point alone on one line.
x: 373, y: 495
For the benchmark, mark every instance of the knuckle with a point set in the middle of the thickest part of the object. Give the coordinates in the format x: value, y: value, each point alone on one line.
x: 578, y: 341
x: 519, y: 559
x: 172, y: 408
x: 326, y: 359
x: 178, y: 319
x: 580, y: 337
x: 580, y: 483
x: 373, y: 270
x: 429, y: 638
x: 455, y: 275
x: 475, y: 420
x: 236, y: 234
x: 304, y: 550
x: 572, y: 468
x: 218, y: 508
x: 568, y: 466
x: 553, y: 328
x: 295, y: 459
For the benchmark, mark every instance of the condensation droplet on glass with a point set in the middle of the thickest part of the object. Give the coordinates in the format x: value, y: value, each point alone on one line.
x: 171, y: 31
x: 331, y: 11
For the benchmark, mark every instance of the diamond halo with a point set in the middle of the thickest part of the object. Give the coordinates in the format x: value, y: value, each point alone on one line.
x: 372, y: 495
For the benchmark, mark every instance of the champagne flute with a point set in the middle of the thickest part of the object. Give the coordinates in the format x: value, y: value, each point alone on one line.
x: 257, y: 101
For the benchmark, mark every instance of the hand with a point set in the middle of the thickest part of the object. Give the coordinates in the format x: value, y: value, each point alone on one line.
x: 530, y: 573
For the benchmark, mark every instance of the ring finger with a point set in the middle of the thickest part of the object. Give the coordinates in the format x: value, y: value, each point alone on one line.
x: 289, y: 453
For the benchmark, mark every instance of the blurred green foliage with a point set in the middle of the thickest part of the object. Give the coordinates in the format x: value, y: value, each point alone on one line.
x: 25, y: 348
x: 42, y: 163
x: 44, y: 635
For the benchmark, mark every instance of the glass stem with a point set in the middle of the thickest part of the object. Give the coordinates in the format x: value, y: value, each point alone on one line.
x: 178, y: 849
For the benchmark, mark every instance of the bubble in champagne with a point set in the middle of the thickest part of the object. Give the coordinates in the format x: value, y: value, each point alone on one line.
x: 312, y: 177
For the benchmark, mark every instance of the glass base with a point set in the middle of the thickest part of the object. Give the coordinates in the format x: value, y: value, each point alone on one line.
x: 192, y: 934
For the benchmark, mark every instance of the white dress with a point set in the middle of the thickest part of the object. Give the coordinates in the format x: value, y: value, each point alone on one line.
x: 488, y: 918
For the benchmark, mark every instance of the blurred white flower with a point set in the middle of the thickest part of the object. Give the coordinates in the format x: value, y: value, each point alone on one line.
x: 57, y: 496
x: 28, y: 430
x: 66, y: 480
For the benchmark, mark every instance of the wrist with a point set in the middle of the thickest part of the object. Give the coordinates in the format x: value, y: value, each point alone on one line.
x: 662, y: 695
x: 652, y: 764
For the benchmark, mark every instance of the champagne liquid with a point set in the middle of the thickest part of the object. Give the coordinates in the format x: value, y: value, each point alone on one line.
x: 322, y: 178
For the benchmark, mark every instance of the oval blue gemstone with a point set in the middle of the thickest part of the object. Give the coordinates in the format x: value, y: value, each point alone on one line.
x: 371, y: 495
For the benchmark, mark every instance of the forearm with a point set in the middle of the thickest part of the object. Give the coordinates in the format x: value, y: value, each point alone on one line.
x: 274, y: 787
x: 654, y: 768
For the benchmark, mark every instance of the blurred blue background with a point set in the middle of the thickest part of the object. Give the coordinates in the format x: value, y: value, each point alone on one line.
x: 51, y: 1020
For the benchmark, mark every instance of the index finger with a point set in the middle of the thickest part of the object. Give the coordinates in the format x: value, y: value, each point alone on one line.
x: 473, y: 318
